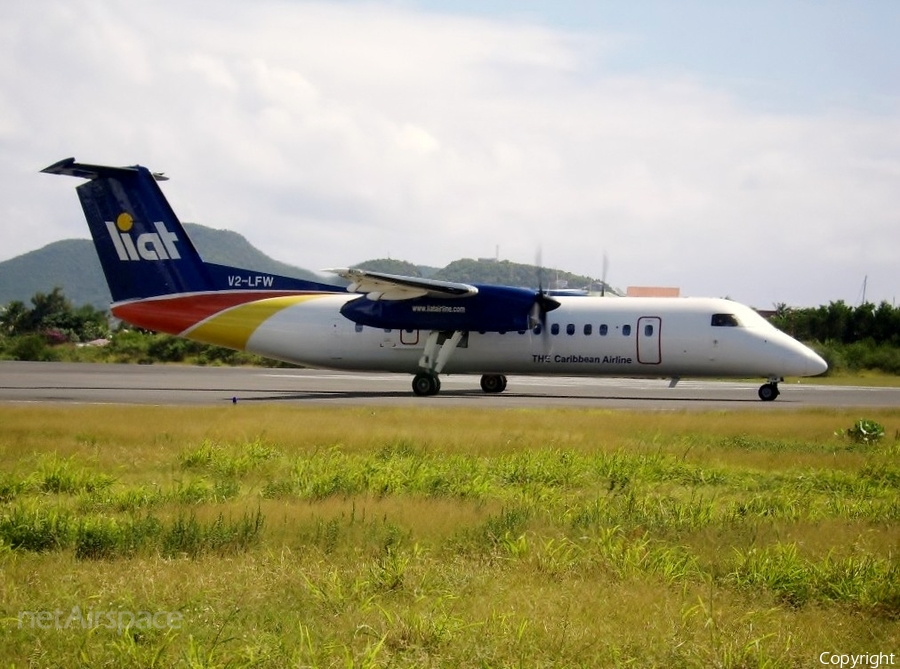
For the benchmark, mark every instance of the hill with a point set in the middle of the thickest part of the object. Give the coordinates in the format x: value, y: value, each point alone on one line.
x: 510, y: 274
x: 230, y: 248
x: 487, y: 271
x: 72, y: 264
x: 400, y: 267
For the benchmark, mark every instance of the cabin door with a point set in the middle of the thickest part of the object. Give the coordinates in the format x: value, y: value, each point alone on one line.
x: 337, y: 339
x: 649, y: 348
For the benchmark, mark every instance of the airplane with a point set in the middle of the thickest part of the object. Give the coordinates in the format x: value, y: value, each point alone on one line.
x: 386, y: 323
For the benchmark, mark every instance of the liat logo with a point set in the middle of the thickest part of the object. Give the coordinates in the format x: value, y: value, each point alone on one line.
x: 159, y: 245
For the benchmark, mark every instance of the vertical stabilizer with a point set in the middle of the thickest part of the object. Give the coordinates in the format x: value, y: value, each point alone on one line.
x: 143, y: 248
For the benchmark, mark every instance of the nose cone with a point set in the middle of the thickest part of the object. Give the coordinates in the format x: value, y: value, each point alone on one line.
x: 815, y: 364
x: 803, y: 361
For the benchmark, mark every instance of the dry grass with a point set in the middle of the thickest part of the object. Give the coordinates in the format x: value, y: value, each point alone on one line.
x: 417, y: 537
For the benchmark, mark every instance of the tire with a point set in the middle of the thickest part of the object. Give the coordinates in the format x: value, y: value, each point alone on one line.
x: 768, y: 392
x: 424, y: 384
x: 493, y: 383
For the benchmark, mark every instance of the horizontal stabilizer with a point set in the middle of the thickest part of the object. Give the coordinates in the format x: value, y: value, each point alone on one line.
x: 68, y: 167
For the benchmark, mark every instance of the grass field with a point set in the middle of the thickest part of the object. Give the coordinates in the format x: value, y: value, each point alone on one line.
x: 866, y: 377
x: 260, y: 536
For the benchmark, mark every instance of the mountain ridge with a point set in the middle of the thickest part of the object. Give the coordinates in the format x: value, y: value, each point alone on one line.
x: 72, y: 264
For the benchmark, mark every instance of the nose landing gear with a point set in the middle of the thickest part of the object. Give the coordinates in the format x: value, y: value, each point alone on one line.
x: 769, y: 391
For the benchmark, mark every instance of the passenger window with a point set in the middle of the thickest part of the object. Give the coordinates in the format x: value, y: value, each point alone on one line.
x: 626, y: 330
x: 648, y: 330
x: 570, y: 329
x: 359, y: 327
x: 725, y: 321
x: 388, y: 330
x: 588, y: 328
x: 554, y: 329
x: 603, y: 330
x: 537, y: 329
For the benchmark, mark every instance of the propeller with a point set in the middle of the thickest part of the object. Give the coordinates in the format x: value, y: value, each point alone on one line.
x: 603, y: 278
x: 542, y: 301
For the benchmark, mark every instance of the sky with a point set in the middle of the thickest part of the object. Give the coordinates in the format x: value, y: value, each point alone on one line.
x: 748, y: 150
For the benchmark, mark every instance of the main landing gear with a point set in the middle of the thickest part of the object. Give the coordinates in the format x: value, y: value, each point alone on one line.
x: 769, y: 391
x: 439, y: 346
x: 493, y: 383
x: 425, y: 384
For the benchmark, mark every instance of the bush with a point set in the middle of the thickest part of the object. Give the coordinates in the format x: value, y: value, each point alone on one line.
x: 859, y: 356
x: 129, y: 346
x: 864, y: 432
x: 31, y: 347
x: 165, y: 348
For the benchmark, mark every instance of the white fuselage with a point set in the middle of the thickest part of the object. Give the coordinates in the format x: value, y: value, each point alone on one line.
x: 667, y: 337
x: 160, y: 282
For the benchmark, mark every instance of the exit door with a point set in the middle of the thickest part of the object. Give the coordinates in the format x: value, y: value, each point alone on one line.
x: 649, y: 348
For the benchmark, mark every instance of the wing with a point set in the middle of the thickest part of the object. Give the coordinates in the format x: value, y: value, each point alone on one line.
x: 379, y: 286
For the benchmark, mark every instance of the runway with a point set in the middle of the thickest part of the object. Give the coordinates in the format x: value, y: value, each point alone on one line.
x: 74, y: 383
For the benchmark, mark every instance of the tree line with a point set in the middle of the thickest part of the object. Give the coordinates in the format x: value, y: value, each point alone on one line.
x: 840, y: 322
x: 54, y: 317
x: 866, y: 337
x: 51, y: 328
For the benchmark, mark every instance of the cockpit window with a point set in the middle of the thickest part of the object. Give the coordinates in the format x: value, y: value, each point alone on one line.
x: 725, y: 321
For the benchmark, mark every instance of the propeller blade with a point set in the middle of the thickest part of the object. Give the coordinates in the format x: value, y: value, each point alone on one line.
x: 534, y: 316
x: 542, y: 301
x: 603, y: 280
x: 539, y: 263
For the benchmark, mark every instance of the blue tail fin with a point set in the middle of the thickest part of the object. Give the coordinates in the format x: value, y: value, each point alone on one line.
x: 143, y: 248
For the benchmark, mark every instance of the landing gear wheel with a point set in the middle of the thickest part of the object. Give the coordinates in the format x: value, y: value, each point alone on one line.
x: 768, y: 392
x: 493, y: 383
x: 426, y: 384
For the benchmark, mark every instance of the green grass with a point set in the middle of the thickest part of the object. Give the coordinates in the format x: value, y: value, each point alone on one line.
x: 363, y: 537
x: 862, y: 377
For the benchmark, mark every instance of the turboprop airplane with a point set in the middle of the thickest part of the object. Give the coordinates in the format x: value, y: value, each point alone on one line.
x: 386, y: 323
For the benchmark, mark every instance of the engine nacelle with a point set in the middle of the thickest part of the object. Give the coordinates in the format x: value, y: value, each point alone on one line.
x: 492, y: 309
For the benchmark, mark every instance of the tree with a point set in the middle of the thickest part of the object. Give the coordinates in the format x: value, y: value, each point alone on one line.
x: 15, y: 318
x: 50, y: 310
x: 52, y: 313
x: 886, y: 324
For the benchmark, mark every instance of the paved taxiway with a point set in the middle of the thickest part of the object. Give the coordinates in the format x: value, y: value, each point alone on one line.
x: 24, y: 382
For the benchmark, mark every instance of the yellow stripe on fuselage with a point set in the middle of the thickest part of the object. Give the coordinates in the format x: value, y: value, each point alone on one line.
x: 234, y: 327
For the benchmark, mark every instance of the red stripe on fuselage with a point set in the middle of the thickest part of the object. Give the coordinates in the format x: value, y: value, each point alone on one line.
x: 174, y: 315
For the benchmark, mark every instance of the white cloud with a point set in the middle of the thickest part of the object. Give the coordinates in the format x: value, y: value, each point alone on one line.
x: 331, y: 133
